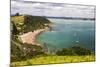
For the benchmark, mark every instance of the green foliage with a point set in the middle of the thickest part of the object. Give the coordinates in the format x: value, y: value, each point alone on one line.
x: 16, y: 48
x: 22, y: 24
x: 17, y: 14
x: 34, y: 22
x: 81, y: 51
x: 32, y: 50
x: 75, y: 50
x: 20, y: 51
x: 14, y: 29
x: 65, y: 52
x: 29, y: 23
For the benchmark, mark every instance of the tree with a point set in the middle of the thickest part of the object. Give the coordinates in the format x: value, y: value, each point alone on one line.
x: 17, y: 14
x: 81, y: 50
x: 14, y: 29
x: 65, y: 51
x: 75, y: 50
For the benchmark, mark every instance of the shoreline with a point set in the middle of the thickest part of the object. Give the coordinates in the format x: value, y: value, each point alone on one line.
x: 30, y: 37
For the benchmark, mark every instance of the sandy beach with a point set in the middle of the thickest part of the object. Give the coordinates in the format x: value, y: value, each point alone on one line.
x: 30, y: 37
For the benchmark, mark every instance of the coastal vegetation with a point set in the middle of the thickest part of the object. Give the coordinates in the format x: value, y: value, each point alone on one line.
x: 32, y: 54
x: 27, y: 23
x: 21, y: 24
x: 75, y: 50
x: 54, y: 59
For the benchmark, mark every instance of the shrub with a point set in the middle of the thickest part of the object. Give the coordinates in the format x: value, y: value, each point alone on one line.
x: 32, y: 50
x: 65, y: 52
x: 17, y: 14
x: 81, y: 51
x: 20, y: 51
x: 75, y: 50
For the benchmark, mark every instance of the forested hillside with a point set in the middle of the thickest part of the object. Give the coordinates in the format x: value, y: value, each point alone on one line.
x: 23, y: 24
x: 28, y: 23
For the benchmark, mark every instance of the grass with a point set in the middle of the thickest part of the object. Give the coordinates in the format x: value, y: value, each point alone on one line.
x: 54, y: 59
x: 17, y: 19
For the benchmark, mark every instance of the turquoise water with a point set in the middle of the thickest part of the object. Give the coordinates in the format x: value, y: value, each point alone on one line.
x: 66, y: 33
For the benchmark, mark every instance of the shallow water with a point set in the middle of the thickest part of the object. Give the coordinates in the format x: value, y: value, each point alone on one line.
x: 67, y: 33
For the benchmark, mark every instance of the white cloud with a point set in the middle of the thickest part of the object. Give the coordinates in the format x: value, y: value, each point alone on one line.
x: 51, y: 9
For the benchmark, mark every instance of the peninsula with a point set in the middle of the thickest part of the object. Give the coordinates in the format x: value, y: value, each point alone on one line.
x: 28, y: 27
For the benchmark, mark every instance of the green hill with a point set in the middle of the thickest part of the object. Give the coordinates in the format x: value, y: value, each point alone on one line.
x: 22, y: 24
x: 26, y: 23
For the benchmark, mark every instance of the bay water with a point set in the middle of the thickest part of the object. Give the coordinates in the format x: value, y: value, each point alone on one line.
x: 66, y: 33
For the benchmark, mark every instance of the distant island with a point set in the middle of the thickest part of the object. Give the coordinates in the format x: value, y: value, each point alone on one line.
x: 77, y: 18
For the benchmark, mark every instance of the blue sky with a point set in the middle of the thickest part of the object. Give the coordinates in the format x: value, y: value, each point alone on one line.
x: 51, y: 9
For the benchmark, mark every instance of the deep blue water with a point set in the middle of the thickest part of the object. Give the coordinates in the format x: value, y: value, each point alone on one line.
x: 66, y: 33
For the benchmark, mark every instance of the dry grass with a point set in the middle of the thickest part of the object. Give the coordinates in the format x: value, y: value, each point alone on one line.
x: 17, y: 19
x: 55, y: 59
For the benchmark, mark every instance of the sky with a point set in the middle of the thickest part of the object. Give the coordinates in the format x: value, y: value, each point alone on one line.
x: 51, y: 9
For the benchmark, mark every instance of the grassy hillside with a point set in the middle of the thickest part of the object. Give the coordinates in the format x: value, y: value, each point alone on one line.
x: 17, y: 19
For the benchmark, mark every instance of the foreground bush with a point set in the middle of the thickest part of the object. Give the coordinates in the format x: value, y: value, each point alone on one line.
x: 75, y: 50
x: 20, y: 51
x: 65, y: 52
x: 81, y: 51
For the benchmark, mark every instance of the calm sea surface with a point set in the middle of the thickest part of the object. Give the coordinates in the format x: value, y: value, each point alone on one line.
x: 66, y: 33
